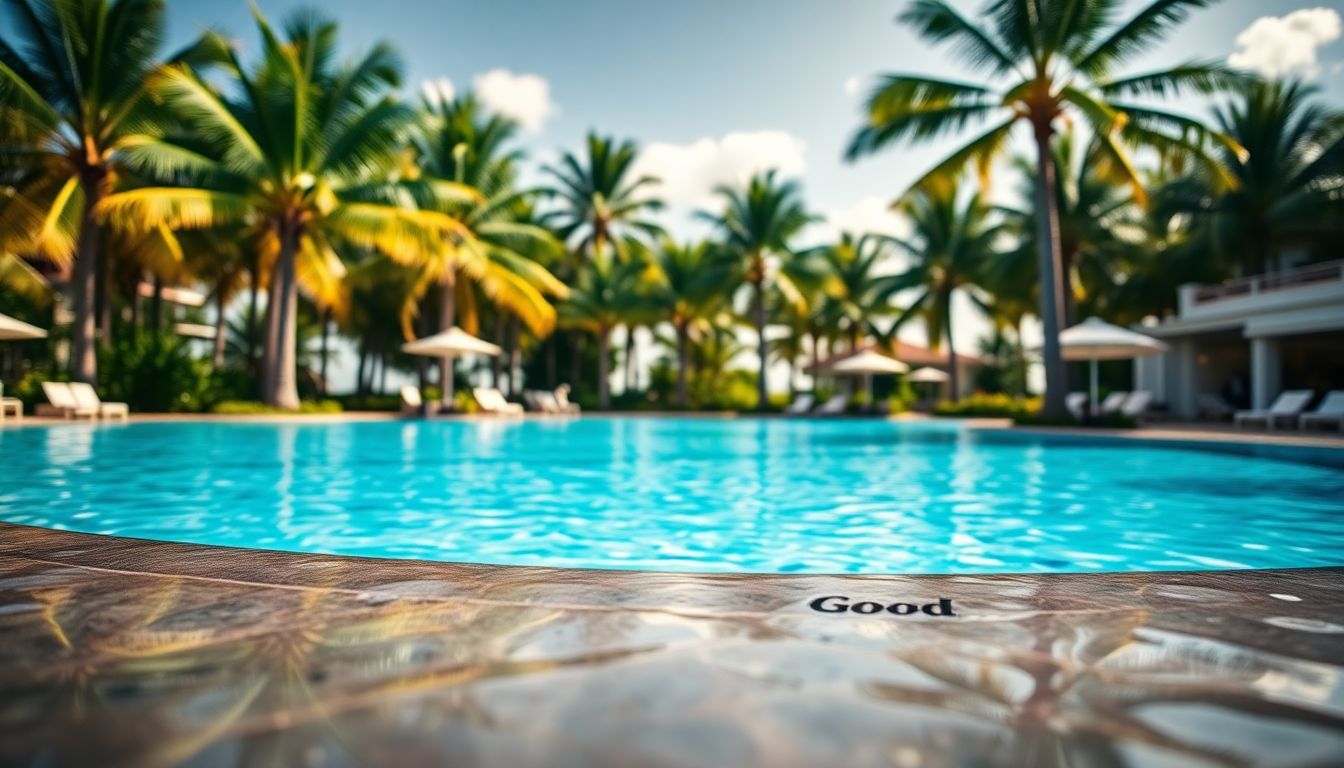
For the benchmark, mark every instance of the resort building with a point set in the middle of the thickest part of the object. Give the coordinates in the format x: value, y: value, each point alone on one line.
x: 1242, y: 342
x: 912, y: 355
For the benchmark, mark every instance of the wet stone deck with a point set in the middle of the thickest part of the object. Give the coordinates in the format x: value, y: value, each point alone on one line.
x: 121, y: 652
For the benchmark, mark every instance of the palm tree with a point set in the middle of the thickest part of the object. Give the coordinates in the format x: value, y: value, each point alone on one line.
x: 688, y: 287
x: 1098, y: 223
x: 758, y: 223
x: 303, y: 151
x: 599, y: 201
x: 859, y: 288
x: 75, y: 88
x: 1057, y: 60
x: 502, y: 252
x: 606, y: 291
x: 1288, y: 181
x: 952, y: 247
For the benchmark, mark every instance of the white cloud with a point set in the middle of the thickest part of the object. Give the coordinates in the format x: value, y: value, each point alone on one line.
x: 523, y: 97
x: 689, y: 172
x: 1276, y: 46
x: 852, y: 85
x: 438, y: 91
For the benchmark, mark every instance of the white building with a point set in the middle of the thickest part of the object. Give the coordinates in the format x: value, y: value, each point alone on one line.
x: 1246, y: 340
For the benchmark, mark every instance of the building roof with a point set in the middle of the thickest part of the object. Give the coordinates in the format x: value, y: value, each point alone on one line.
x: 911, y: 354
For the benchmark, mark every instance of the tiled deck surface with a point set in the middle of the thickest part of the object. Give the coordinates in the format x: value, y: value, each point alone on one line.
x: 123, y: 652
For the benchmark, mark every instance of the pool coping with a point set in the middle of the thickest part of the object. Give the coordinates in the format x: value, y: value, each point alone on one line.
x: 559, y: 661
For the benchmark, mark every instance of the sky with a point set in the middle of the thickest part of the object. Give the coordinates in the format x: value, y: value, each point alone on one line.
x: 716, y: 89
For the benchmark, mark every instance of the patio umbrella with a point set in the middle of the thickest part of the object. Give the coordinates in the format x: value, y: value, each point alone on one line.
x: 17, y: 330
x: 868, y: 363
x: 927, y: 376
x: 1095, y: 339
x: 446, y: 345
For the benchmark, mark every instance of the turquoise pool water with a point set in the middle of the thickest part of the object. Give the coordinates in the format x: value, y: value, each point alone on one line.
x: 682, y: 494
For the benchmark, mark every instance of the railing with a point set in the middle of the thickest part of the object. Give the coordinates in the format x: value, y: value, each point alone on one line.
x: 1325, y: 272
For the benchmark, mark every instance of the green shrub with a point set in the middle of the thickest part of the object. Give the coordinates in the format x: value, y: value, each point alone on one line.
x: 153, y: 372
x: 989, y: 406
x: 254, y: 408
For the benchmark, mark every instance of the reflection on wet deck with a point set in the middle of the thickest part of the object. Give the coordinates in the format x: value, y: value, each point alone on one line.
x: 121, y: 652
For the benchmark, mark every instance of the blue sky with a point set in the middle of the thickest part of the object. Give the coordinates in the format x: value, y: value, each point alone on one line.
x: 715, y: 88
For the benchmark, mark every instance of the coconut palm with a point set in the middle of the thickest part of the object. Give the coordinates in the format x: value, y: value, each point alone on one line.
x: 600, y: 200
x: 1289, y: 180
x: 688, y: 287
x: 1056, y: 61
x: 606, y: 292
x: 303, y: 151
x: 952, y: 248
x: 758, y: 223
x: 1099, y: 223
x: 75, y: 86
x: 503, y: 252
x: 860, y: 285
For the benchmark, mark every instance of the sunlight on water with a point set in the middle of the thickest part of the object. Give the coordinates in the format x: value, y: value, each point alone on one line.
x: 681, y: 494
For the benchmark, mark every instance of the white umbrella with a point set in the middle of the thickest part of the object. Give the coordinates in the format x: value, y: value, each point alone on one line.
x: 1095, y: 339
x: 868, y: 363
x: 928, y: 376
x: 446, y: 344
x: 17, y: 330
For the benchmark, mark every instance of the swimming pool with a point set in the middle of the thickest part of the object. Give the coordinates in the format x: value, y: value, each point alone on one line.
x: 690, y: 494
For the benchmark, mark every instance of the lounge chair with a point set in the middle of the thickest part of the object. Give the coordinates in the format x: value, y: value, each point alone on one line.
x: 412, y: 404
x: 1212, y: 406
x: 1330, y: 411
x: 800, y: 405
x: 61, y: 402
x: 833, y: 407
x: 1289, y: 404
x: 1136, y: 404
x: 492, y: 400
x: 1076, y: 402
x: 562, y: 400
x: 1113, y: 402
x: 87, y: 397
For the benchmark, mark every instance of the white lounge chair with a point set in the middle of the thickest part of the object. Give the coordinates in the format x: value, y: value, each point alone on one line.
x: 1289, y: 404
x: 412, y: 404
x: 562, y: 400
x: 1330, y: 411
x: 492, y: 400
x: 833, y: 407
x: 1076, y: 403
x: 60, y: 402
x: 1113, y: 402
x: 801, y: 404
x: 87, y: 397
x: 1136, y: 405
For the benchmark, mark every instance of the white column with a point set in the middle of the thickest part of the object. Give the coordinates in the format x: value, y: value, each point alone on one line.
x: 1264, y: 371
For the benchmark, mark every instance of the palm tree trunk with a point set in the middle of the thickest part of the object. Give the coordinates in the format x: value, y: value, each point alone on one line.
x: 104, y: 304
x: 551, y: 344
x: 360, y: 386
x: 156, y: 306
x: 515, y: 357
x: 953, y: 375
x: 816, y: 359
x: 326, y: 333
x: 603, y: 368
x: 447, y: 318
x: 629, y: 358
x: 576, y: 362
x: 498, y: 338
x: 83, y: 359
x: 221, y: 332
x: 1049, y: 265
x: 683, y: 353
x: 759, y: 310
x: 254, y: 289
x: 280, y: 379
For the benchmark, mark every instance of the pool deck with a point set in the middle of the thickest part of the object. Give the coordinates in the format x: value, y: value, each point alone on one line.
x: 127, y: 652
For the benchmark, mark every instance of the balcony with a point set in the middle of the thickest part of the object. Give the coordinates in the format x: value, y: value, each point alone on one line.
x: 1274, y: 291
